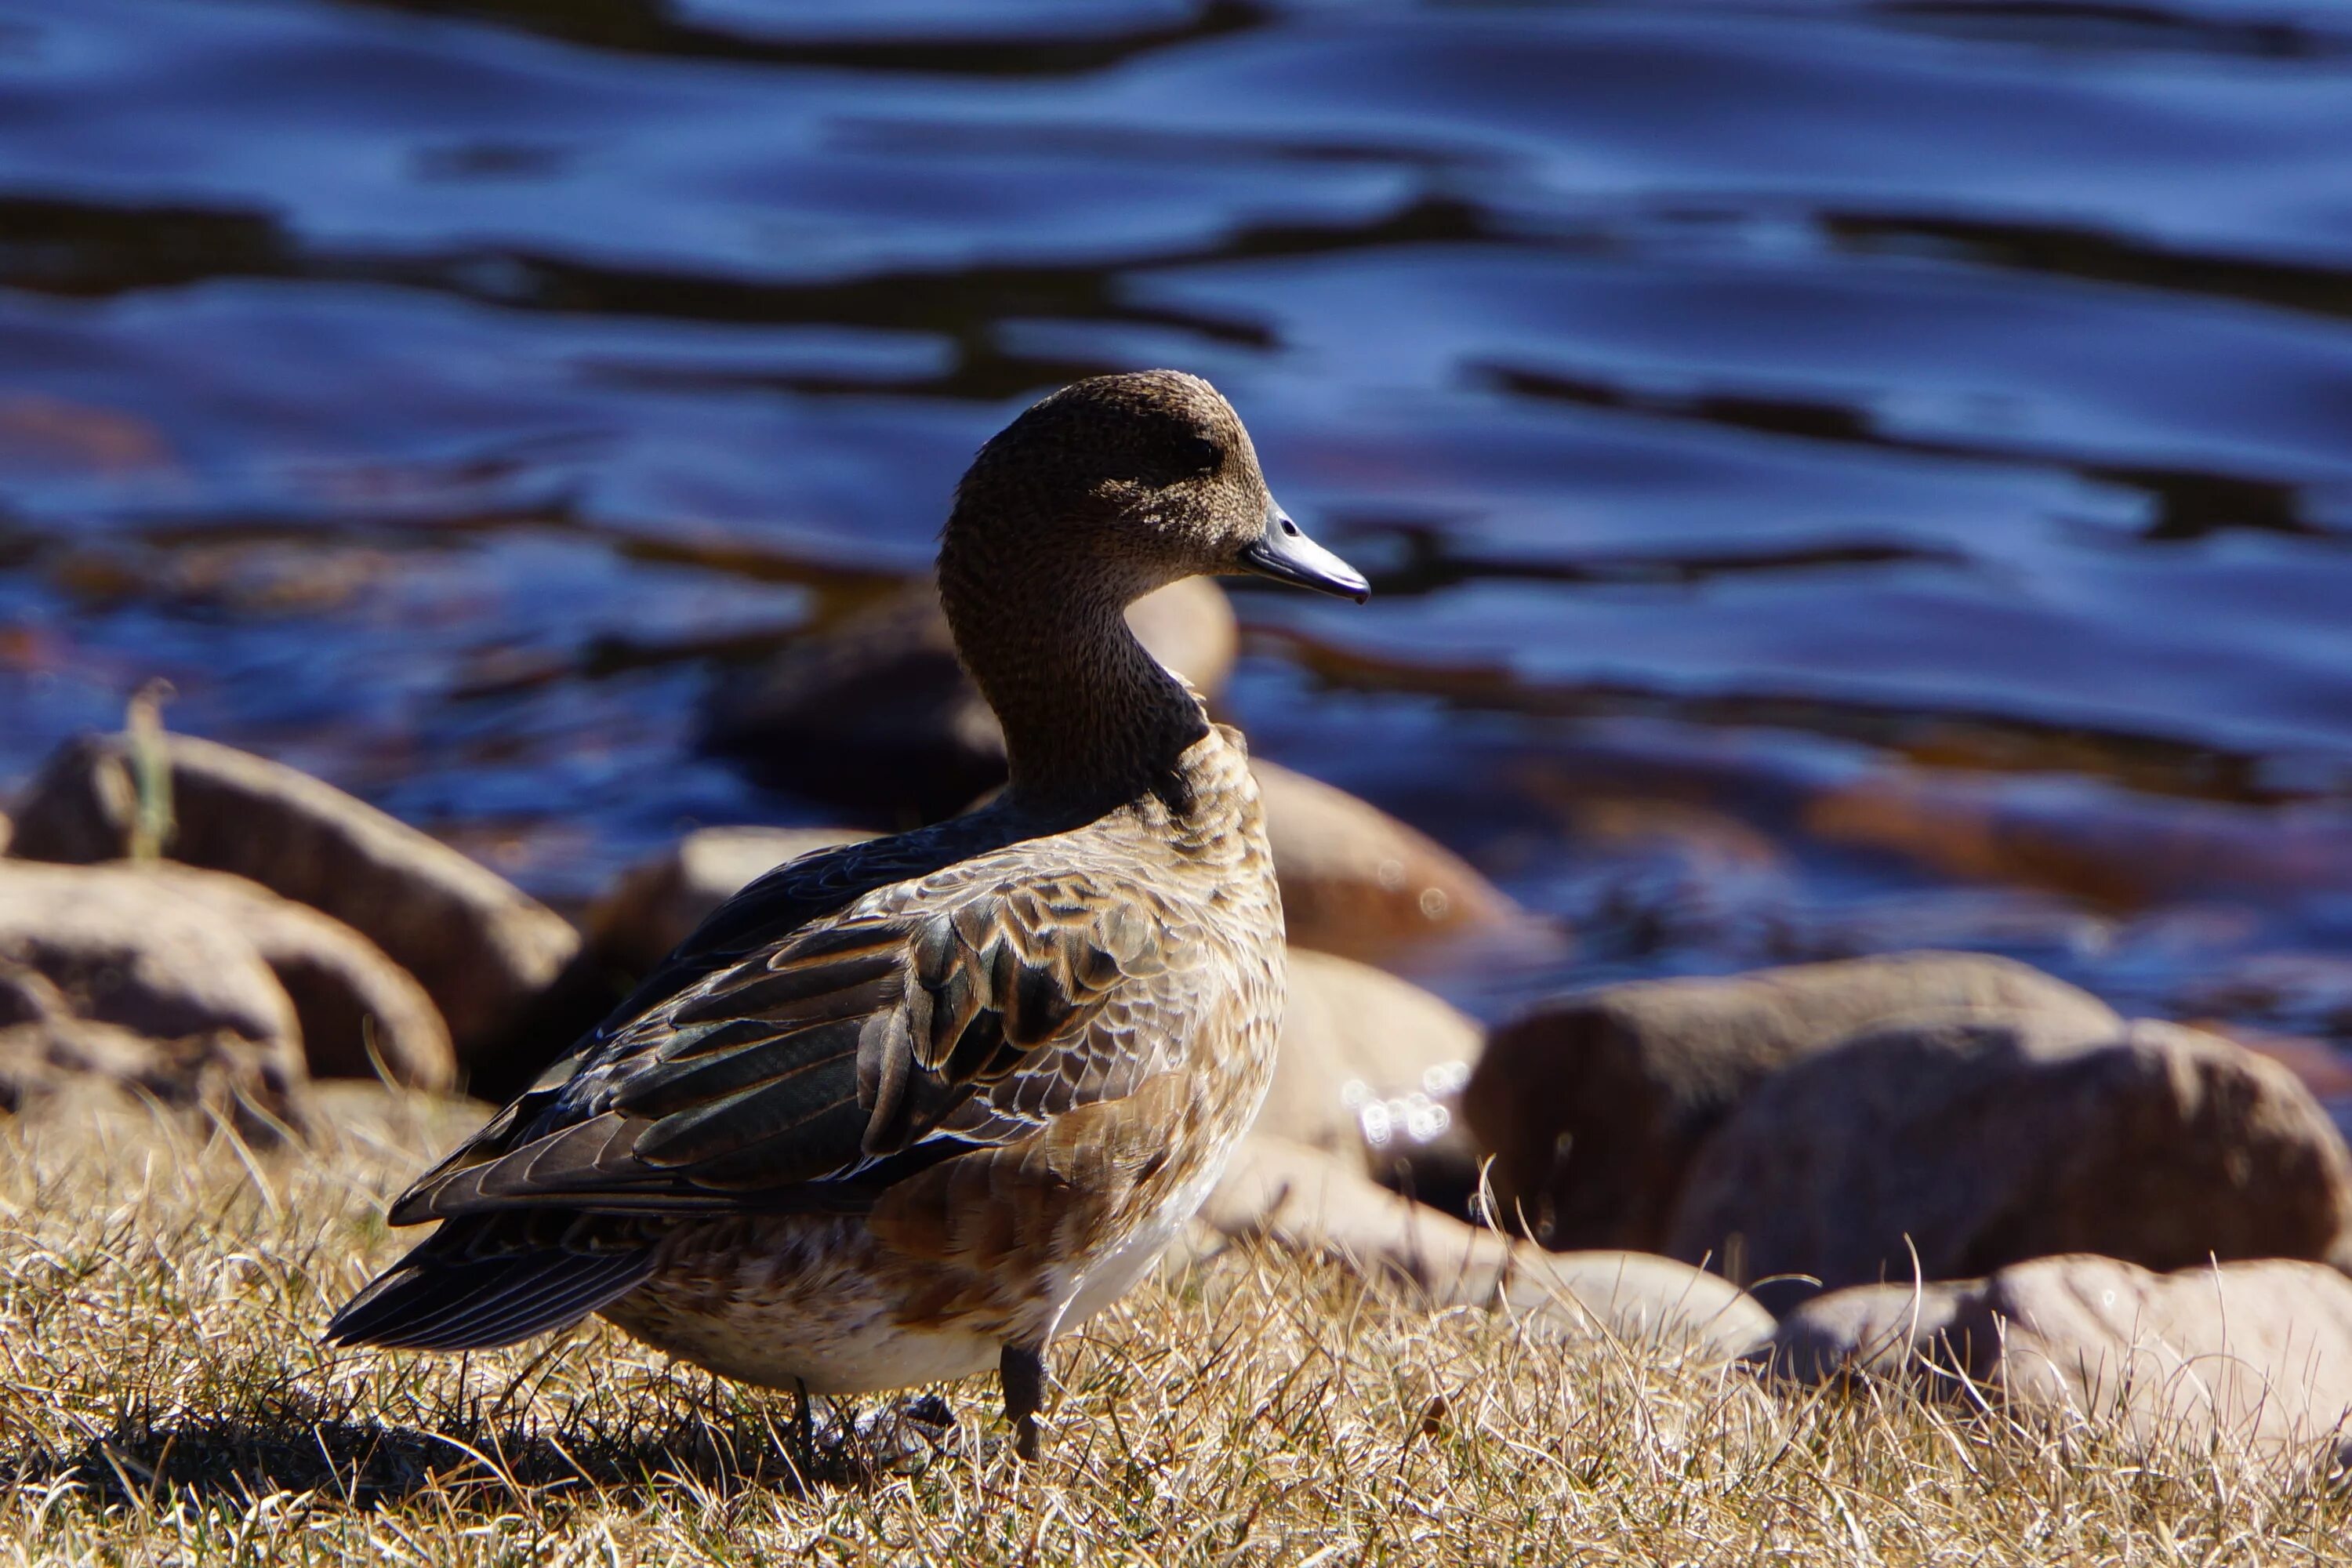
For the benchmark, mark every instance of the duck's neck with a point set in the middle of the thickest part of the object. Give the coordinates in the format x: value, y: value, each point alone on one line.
x: 1090, y: 718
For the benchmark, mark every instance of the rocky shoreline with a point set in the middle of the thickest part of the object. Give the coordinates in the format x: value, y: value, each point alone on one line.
x: 1946, y: 1168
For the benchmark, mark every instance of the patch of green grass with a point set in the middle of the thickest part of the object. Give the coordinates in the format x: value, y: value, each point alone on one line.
x: 164, y: 1397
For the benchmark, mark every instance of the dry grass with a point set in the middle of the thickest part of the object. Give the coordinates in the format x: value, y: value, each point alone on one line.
x: 165, y: 1398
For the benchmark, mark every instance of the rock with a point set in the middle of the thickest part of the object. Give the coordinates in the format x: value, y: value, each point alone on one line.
x: 122, y: 951
x: 874, y: 716
x: 1307, y: 1201
x: 2322, y: 1067
x: 1368, y: 1069
x: 1981, y: 1143
x: 28, y: 997
x: 1190, y: 627
x: 355, y: 1007
x: 72, y: 1066
x: 104, y: 975
x: 1638, y: 1298
x: 1593, y: 1105
x: 2089, y: 839
x: 1358, y: 882
x: 480, y: 948
x: 2256, y: 1353
x: 659, y: 900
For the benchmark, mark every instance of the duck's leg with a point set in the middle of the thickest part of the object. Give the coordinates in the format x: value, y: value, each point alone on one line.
x: 1021, y: 1370
x: 803, y: 1433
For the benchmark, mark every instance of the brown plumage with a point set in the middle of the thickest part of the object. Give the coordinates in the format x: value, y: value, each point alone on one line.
x: 905, y: 1109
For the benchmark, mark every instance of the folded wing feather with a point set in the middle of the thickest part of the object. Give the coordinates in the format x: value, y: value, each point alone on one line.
x: 859, y: 1050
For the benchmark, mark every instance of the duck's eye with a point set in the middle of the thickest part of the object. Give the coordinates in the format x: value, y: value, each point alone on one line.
x: 1199, y: 455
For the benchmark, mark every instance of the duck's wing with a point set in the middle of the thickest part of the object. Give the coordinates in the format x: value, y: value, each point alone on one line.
x: 960, y: 1010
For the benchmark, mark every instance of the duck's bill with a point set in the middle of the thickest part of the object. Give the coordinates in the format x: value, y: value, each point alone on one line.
x: 1285, y: 554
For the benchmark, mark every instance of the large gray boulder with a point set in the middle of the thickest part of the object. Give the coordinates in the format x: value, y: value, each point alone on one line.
x: 1593, y: 1105
x: 1968, y: 1145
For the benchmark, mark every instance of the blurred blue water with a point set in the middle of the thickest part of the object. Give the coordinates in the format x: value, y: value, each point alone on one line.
x: 1748, y: 411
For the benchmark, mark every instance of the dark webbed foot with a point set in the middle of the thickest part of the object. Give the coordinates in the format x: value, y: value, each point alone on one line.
x: 1022, y: 1371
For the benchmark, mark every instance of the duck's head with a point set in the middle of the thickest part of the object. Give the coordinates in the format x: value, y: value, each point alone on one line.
x: 1134, y: 481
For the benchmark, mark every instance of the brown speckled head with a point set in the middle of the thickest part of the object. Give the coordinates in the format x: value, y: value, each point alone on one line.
x: 1093, y: 497
x: 1138, y: 480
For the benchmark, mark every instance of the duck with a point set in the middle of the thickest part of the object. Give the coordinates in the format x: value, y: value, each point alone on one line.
x: 906, y: 1109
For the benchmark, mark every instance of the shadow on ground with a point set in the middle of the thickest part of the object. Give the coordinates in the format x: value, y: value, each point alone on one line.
x: 479, y: 1463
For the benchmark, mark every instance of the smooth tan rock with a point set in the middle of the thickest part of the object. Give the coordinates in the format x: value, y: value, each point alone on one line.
x: 1978, y: 1144
x: 1358, y: 882
x: 1355, y: 1038
x: 1190, y: 627
x: 659, y: 901
x: 875, y: 717
x: 483, y: 950
x: 123, y: 951
x: 1639, y: 1298
x: 1307, y: 1200
x: 2253, y: 1352
x: 1593, y: 1104
x: 73, y: 1068
x: 113, y: 986
x: 356, y: 1007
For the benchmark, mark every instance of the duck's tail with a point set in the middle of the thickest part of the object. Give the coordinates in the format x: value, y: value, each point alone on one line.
x: 454, y: 1293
